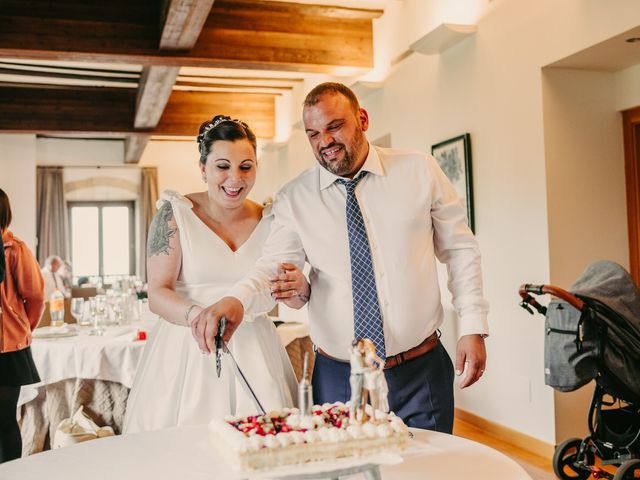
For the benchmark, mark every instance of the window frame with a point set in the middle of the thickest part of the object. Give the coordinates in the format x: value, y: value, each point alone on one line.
x: 131, y: 205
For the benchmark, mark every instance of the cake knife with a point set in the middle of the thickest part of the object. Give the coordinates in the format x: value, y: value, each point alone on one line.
x: 221, y: 346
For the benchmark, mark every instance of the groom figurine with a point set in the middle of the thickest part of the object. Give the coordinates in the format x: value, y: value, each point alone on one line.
x: 371, y: 223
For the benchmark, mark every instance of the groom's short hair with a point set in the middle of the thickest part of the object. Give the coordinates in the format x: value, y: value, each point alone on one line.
x: 318, y: 91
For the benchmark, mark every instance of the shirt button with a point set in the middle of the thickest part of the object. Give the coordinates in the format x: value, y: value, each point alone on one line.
x: 19, y: 345
x: 386, y: 303
x: 381, y: 274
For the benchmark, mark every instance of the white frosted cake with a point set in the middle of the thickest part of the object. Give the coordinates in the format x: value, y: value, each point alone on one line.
x: 285, y: 437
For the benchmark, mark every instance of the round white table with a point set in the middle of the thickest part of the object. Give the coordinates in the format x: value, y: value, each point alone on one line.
x: 94, y: 371
x: 185, y: 453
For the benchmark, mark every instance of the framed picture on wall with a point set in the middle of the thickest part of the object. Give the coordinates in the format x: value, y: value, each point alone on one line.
x: 454, y: 157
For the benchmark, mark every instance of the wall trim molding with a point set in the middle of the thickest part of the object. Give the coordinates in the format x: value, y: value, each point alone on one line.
x: 506, y: 434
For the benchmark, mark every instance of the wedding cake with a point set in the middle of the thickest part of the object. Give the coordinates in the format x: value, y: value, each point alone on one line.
x: 286, y: 437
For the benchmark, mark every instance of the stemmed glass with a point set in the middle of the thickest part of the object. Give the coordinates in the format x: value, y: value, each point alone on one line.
x: 97, y: 310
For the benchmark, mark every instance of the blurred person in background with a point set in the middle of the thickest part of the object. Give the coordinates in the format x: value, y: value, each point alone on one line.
x: 21, y: 305
x: 66, y: 272
x: 52, y: 275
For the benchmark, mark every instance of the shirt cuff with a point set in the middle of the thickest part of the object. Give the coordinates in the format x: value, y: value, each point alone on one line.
x: 473, y: 325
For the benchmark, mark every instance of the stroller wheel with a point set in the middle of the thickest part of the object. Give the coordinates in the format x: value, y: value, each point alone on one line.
x: 628, y: 470
x: 565, y: 459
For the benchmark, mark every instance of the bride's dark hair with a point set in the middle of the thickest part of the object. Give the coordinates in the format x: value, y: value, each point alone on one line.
x: 222, y: 127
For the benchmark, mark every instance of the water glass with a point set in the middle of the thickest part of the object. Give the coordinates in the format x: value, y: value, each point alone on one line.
x: 97, y: 310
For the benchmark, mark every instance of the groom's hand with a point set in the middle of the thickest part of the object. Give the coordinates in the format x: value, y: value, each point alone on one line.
x: 204, y: 326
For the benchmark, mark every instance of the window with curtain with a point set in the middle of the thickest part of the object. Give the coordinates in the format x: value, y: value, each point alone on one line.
x: 102, y: 239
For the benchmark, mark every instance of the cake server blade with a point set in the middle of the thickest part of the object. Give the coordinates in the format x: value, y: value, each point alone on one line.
x: 243, y: 381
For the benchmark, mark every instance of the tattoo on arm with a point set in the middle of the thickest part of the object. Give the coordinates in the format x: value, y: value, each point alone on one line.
x: 161, y: 231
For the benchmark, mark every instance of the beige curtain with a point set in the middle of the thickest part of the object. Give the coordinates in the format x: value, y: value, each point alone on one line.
x: 148, y: 198
x: 51, y: 214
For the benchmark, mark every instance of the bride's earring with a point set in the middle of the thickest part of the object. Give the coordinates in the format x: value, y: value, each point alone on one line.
x: 204, y: 178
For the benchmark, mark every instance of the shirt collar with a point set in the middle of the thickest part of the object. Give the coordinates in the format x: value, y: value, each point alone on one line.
x: 372, y: 164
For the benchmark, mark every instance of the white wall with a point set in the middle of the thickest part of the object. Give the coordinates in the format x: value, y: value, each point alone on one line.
x: 627, y: 88
x: 585, y: 193
x: 79, y: 152
x: 18, y: 180
x: 177, y: 164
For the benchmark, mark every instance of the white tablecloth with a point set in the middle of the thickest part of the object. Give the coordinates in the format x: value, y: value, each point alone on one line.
x: 186, y: 453
x: 112, y: 357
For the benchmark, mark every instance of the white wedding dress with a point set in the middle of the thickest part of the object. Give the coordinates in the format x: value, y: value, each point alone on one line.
x: 175, y: 383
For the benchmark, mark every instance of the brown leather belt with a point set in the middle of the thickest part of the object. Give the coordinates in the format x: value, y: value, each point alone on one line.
x: 425, y: 347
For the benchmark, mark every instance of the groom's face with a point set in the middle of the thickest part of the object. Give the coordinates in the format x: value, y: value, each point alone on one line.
x: 335, y: 130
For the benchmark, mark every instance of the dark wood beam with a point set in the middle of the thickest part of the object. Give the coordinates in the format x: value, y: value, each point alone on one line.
x: 134, y: 146
x: 109, y: 111
x: 54, y: 109
x: 183, y: 22
x: 154, y: 91
x: 247, y: 34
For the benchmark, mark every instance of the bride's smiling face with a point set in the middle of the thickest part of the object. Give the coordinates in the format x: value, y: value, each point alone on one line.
x: 230, y: 172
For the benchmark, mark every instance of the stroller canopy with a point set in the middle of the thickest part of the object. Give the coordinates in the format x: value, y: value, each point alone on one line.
x: 611, y: 285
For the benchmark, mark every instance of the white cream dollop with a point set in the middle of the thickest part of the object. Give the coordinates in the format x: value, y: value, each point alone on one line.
x: 383, y: 430
x: 311, y: 436
x: 355, y: 430
x: 270, y: 441
x: 255, y: 442
x: 307, y: 423
x: 293, y: 420
x: 284, y: 438
x: 297, y: 437
x: 369, y: 429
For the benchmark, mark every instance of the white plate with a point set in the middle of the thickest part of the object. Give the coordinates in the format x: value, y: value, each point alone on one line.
x: 54, y: 332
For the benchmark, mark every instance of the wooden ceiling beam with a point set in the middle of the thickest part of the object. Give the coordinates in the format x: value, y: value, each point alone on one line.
x: 109, y: 111
x: 247, y: 34
x: 156, y: 84
x: 183, y: 22
x: 181, y: 25
x: 134, y: 146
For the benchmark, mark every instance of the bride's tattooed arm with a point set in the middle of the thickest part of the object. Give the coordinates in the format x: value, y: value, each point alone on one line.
x: 162, y: 228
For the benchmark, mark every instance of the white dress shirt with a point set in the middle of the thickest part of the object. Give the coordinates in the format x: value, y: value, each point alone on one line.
x: 412, y: 216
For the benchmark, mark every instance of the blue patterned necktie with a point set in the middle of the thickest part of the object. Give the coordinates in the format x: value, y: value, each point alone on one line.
x: 367, y: 320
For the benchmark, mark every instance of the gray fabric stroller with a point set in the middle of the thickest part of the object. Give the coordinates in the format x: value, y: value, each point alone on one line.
x: 593, y: 333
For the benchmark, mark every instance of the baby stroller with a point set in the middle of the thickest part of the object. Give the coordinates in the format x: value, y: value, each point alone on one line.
x: 593, y: 333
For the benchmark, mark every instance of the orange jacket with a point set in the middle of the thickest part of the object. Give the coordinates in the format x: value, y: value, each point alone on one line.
x: 21, y: 295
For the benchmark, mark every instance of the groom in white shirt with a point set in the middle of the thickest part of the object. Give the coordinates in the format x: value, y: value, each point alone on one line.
x: 370, y: 222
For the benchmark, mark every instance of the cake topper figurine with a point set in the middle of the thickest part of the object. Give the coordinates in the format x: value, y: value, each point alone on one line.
x: 374, y: 380
x: 367, y: 381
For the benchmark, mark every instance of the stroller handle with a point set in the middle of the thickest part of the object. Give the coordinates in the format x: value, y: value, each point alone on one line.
x: 527, y: 288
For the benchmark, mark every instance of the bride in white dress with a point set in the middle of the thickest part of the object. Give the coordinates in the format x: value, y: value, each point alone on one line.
x: 199, y: 246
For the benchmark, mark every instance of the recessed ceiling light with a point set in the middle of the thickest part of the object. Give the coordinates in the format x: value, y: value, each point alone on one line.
x: 633, y: 39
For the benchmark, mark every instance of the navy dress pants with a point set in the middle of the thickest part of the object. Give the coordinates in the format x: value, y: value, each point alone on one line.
x: 420, y: 390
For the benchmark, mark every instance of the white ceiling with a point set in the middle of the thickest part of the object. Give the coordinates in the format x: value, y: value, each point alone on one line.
x: 609, y: 56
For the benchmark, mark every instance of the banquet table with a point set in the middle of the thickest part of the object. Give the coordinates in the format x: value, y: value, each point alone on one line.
x: 186, y: 453
x: 79, y: 369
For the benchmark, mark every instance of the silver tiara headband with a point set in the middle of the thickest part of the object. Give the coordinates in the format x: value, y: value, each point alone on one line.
x: 212, y: 125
